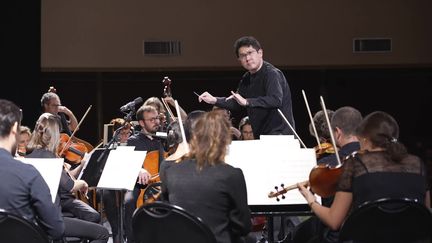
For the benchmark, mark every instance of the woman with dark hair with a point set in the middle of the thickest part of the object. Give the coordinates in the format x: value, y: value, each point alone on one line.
x: 191, y: 183
x: 23, y: 191
x: 372, y: 173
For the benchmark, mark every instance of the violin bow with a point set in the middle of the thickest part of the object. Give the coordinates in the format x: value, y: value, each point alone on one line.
x: 76, y: 129
x: 311, y: 119
x: 286, y: 120
x: 330, y: 130
x: 180, y: 121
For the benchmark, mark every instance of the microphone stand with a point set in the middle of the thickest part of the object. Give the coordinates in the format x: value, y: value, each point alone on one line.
x: 114, y: 138
x: 107, y: 147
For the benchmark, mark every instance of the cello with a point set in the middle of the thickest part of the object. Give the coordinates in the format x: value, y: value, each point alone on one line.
x: 151, y: 192
x: 151, y: 164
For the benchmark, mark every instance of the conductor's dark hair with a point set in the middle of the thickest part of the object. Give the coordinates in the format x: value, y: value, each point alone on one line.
x: 246, y: 41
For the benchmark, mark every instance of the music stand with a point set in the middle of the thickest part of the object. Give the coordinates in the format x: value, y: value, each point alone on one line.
x: 257, y: 159
x: 92, y: 171
x: 114, y: 169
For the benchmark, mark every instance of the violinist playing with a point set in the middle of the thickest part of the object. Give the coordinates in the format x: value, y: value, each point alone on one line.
x: 148, y: 119
x: 80, y: 219
x: 24, y: 139
x: 50, y: 102
x: 383, y: 169
x: 325, y: 148
x: 126, y: 131
x: 344, y: 123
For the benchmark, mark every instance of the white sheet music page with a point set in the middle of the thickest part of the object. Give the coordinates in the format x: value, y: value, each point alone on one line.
x: 85, y: 160
x: 122, y: 168
x: 50, y: 169
x: 271, y: 162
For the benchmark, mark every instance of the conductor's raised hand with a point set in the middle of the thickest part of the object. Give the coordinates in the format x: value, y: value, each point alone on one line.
x: 240, y: 100
x: 207, y: 98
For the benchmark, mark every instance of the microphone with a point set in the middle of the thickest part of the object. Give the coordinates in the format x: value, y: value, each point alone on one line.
x: 131, y: 105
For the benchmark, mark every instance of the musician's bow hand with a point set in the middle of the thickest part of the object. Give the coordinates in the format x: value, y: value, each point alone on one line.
x: 143, y: 176
x: 84, y: 189
x: 207, y: 98
x: 65, y: 110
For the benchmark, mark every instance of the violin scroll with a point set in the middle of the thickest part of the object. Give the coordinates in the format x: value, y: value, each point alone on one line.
x: 284, y: 190
x: 278, y: 193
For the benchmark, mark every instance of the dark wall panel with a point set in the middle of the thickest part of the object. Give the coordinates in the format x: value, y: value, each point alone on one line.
x: 20, y: 55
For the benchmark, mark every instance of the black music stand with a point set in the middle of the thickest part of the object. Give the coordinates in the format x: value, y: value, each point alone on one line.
x: 271, y: 211
x: 122, y: 163
x: 92, y: 171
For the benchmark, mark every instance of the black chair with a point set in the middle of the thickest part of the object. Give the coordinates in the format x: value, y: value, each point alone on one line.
x: 388, y: 220
x: 14, y: 228
x: 161, y: 222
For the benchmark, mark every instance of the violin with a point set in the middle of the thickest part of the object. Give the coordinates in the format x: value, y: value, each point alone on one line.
x: 72, y: 135
x: 72, y: 151
x: 323, y: 178
x: 323, y: 150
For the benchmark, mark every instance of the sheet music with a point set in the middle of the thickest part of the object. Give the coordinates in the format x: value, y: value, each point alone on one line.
x: 84, y: 160
x: 50, y: 169
x: 122, y: 168
x: 268, y: 163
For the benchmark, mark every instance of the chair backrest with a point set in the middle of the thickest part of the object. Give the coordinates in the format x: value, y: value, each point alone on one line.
x: 161, y: 222
x: 14, y: 228
x: 388, y: 220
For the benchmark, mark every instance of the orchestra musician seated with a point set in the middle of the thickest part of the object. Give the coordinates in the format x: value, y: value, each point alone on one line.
x: 344, y: 122
x: 190, y: 183
x: 145, y: 140
x: 23, y: 191
x: 373, y: 172
x: 84, y: 222
x: 245, y: 128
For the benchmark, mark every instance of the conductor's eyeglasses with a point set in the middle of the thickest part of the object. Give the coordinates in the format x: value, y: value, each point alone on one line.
x: 243, y: 56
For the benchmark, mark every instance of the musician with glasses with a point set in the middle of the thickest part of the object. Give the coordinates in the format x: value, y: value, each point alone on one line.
x: 149, y: 120
x: 51, y: 103
x: 262, y: 90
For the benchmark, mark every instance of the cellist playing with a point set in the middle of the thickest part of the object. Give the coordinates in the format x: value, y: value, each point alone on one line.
x: 148, y: 119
